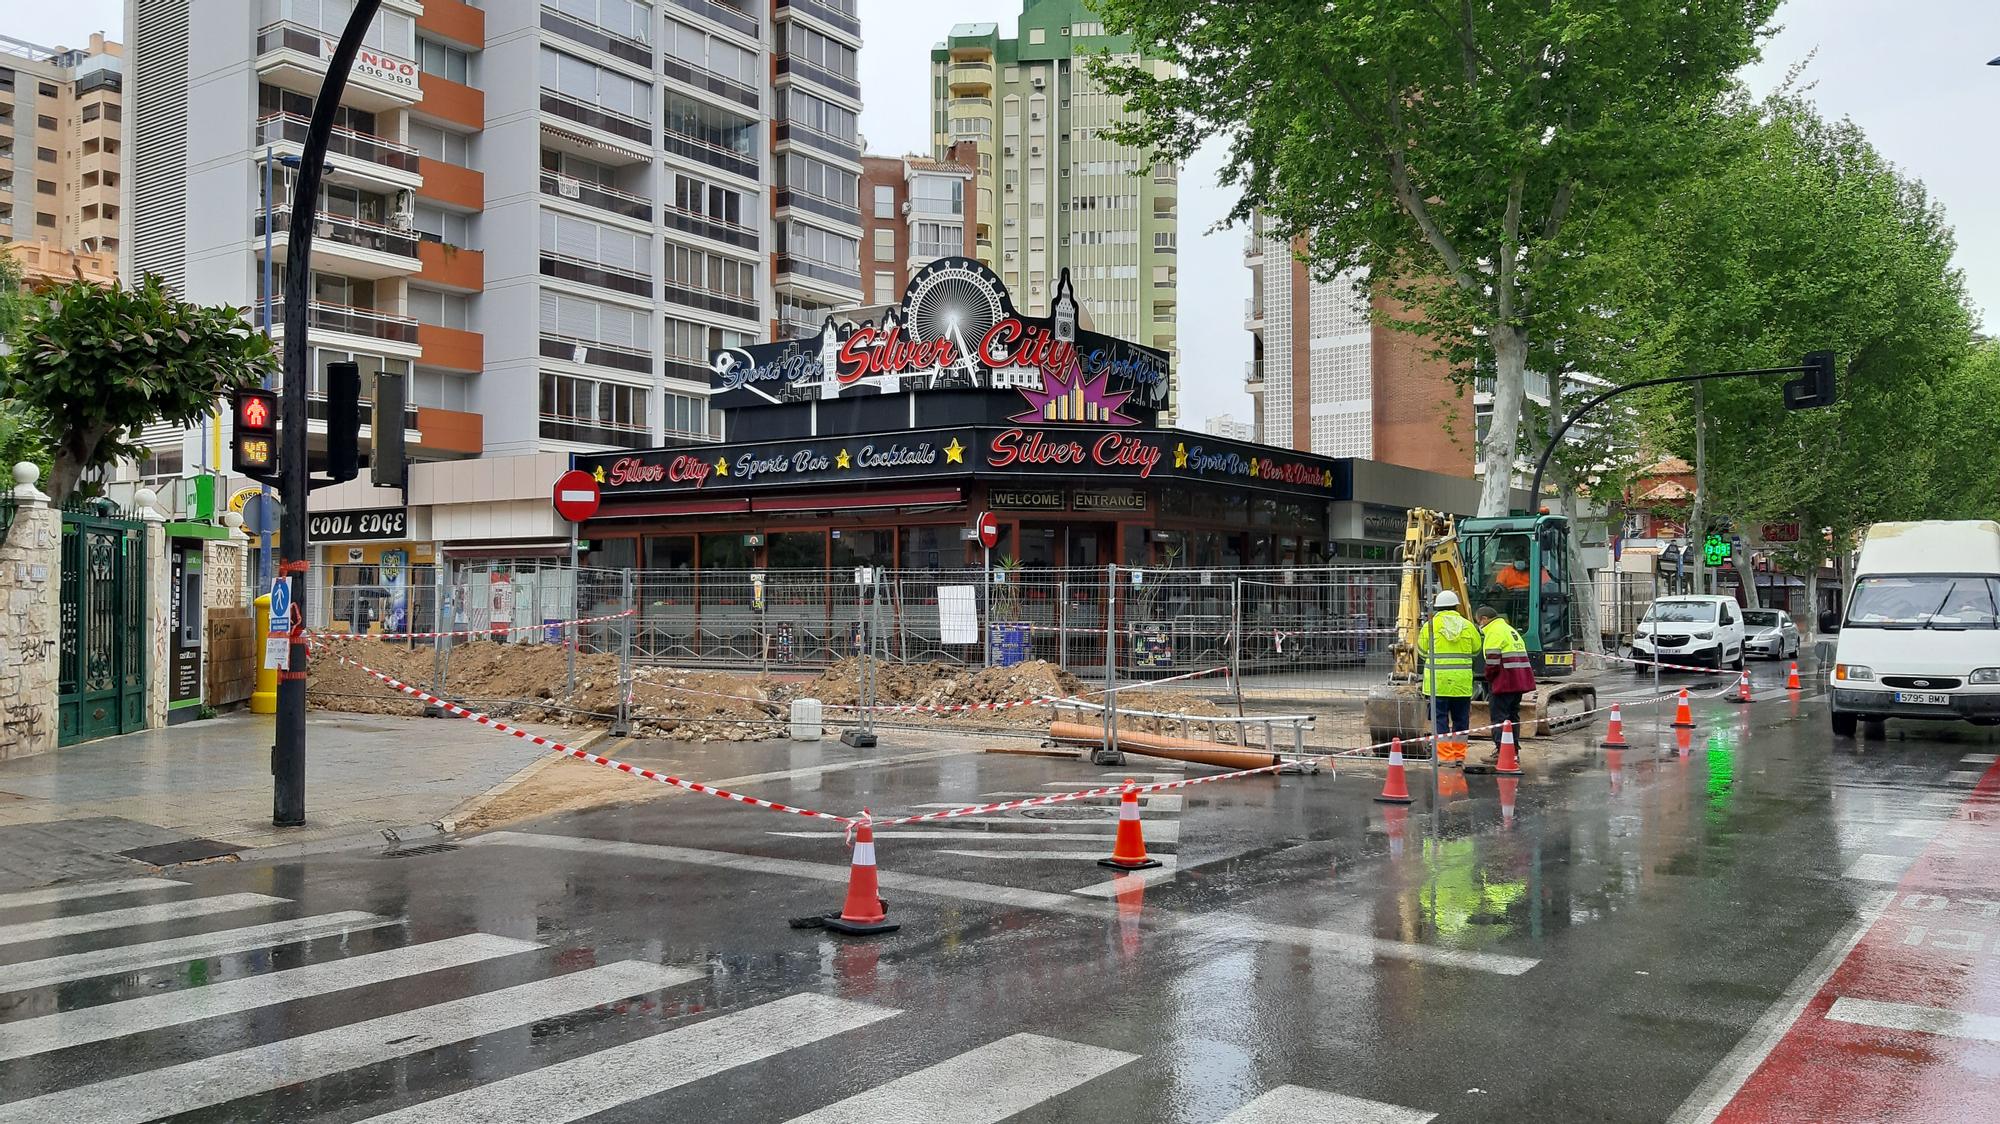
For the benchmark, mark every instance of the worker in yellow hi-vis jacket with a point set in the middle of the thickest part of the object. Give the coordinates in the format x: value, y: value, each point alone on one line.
x: 1449, y: 646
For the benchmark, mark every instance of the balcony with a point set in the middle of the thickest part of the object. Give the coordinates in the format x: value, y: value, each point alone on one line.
x: 1253, y: 375
x: 316, y: 411
x: 713, y: 83
x: 599, y: 196
x: 455, y: 21
x: 635, y: 51
x: 451, y: 431
x: 460, y: 189
x: 688, y: 222
x: 827, y: 14
x: 791, y: 66
x: 361, y: 159
x: 603, y: 120
x: 710, y: 300
x: 294, y: 56
x: 729, y: 16
x: 714, y: 155
x: 823, y: 278
x: 1253, y: 315
x: 793, y: 133
x: 345, y: 245
x: 1253, y: 248
x: 574, y: 350
x: 596, y: 273
x: 451, y: 349
x: 970, y: 80
x: 788, y: 198
x: 451, y: 267
x: 453, y: 103
x: 324, y: 316
x: 587, y: 431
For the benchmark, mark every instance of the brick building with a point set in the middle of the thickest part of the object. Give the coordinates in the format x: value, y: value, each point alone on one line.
x: 914, y: 210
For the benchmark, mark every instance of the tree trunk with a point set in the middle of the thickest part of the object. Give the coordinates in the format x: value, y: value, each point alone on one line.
x: 1510, y: 367
x: 73, y: 454
x: 1809, y: 620
x: 1746, y: 576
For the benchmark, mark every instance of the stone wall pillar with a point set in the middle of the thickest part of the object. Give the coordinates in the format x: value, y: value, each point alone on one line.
x: 30, y: 605
x: 159, y: 608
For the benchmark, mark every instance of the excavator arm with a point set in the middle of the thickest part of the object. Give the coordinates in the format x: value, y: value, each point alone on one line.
x: 1430, y: 541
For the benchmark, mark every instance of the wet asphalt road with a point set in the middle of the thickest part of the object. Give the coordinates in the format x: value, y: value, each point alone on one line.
x: 1596, y: 955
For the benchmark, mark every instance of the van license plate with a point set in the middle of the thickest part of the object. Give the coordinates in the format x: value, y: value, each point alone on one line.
x: 1922, y: 699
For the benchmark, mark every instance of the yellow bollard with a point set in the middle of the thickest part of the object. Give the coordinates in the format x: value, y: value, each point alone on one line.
x: 264, y: 700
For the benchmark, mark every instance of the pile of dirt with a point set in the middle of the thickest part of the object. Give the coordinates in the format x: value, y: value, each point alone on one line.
x: 709, y: 705
x: 948, y: 685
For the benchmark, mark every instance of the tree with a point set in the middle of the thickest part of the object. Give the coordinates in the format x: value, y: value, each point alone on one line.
x: 1464, y: 154
x: 98, y: 363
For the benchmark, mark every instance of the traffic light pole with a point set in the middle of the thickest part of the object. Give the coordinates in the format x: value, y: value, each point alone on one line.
x: 288, y: 755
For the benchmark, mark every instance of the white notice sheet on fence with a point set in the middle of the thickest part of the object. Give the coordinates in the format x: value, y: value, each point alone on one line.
x: 958, y: 614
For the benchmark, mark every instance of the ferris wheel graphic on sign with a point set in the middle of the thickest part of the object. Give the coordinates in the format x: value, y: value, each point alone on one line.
x: 959, y: 300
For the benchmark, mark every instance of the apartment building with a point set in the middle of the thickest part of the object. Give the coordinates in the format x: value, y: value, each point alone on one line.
x: 915, y: 210
x: 544, y: 212
x: 1053, y: 191
x: 1330, y: 375
x: 61, y: 110
x: 1227, y: 427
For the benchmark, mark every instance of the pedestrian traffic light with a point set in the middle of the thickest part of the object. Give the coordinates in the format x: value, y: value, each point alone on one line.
x: 254, y: 447
x: 387, y: 462
x: 1715, y: 551
x: 343, y: 421
x: 1815, y: 387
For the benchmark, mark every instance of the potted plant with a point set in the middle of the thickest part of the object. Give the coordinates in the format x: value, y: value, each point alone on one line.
x: 1007, y: 636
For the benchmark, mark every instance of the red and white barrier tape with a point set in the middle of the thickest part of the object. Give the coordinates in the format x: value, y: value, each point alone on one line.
x: 488, y: 631
x: 1141, y: 684
x: 1086, y: 794
x: 1669, y: 666
x: 595, y: 759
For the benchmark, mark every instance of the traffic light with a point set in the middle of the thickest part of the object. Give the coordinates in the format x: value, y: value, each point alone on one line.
x: 254, y: 448
x: 343, y: 421
x: 1815, y: 387
x: 386, y: 467
x: 1716, y: 550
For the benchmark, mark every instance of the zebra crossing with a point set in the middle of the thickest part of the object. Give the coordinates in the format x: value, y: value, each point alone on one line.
x: 987, y: 1083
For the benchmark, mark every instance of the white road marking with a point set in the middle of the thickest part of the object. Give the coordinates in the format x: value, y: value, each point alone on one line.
x: 52, y: 894
x: 1964, y: 776
x: 982, y: 1086
x: 606, y: 1079
x: 1879, y: 868
x: 1296, y: 1104
x: 126, y: 958
x: 83, y: 1025
x: 1071, y: 856
x: 1165, y: 832
x: 1115, y: 883
x: 1109, y: 781
x: 840, y: 766
x: 134, y: 915
x: 1916, y: 829
x: 1727, y: 1078
x: 211, y: 1081
x: 1981, y: 758
x: 1907, y: 1016
x: 1110, y: 810
x: 1357, y: 945
x: 1941, y: 800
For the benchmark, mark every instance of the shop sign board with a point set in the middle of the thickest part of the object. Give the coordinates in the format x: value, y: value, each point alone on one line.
x: 1120, y: 499
x: 1025, y: 499
x: 382, y: 524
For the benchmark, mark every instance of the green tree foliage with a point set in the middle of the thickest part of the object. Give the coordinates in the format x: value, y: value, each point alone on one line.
x: 1464, y: 153
x: 1803, y: 237
x: 98, y: 363
x: 23, y: 431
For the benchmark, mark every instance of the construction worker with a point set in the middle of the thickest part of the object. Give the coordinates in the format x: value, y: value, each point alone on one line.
x: 1449, y: 645
x: 1510, y: 673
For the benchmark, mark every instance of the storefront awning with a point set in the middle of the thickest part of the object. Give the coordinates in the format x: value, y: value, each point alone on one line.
x: 847, y: 501
x: 485, y: 551
x: 671, y: 507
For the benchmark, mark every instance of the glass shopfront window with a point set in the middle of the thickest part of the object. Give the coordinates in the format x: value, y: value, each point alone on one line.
x: 864, y: 548
x: 612, y: 554
x: 797, y: 550
x: 670, y: 552
x: 725, y: 551
x: 932, y: 548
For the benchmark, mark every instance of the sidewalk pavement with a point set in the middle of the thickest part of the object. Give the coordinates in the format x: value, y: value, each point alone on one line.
x: 66, y: 815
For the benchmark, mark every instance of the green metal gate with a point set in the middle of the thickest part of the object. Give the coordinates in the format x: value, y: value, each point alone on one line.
x: 102, y: 675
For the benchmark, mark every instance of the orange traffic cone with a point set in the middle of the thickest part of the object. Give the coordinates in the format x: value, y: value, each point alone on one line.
x: 1509, y: 764
x: 1614, y: 734
x: 1128, y: 850
x: 1615, y: 761
x: 1508, y: 786
x: 1742, y: 687
x: 865, y: 911
x: 1684, y: 714
x: 1396, y: 787
x: 1792, y: 678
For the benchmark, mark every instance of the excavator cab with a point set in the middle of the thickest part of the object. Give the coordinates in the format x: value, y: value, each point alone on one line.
x: 1519, y: 564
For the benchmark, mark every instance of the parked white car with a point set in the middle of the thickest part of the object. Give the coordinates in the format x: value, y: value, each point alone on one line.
x: 1922, y: 635
x: 1694, y: 630
x: 1771, y: 634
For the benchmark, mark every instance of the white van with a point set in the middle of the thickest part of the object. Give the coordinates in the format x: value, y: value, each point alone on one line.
x: 1698, y: 630
x: 1922, y: 634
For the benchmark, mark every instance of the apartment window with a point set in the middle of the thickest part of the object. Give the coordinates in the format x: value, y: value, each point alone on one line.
x: 805, y: 43
x: 46, y: 155
x: 582, y: 240
x: 885, y: 245
x: 939, y: 195
x: 711, y: 126
x: 1037, y: 35
x: 626, y: 18
x: 694, y: 269
x: 936, y: 239
x: 45, y: 187
x: 446, y: 310
x: 825, y: 247
x: 444, y: 61
x: 711, y: 53
x: 707, y: 199
x: 885, y: 201
x: 391, y: 31
x: 685, y: 414
x: 1010, y: 74
x: 687, y: 341
x: 822, y: 116
x: 46, y: 90
x: 272, y: 99
x: 885, y: 288
x: 579, y: 318
x: 43, y: 218
x: 91, y: 112
x: 981, y: 127
x: 441, y: 144
x: 818, y: 178
x: 112, y: 112
x: 1163, y: 240
x: 595, y: 86
x: 435, y: 224
x: 584, y: 401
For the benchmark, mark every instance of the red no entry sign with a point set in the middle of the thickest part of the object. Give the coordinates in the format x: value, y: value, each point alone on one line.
x: 576, y: 495
x: 988, y: 528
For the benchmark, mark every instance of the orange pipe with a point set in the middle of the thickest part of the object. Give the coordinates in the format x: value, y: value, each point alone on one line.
x: 1160, y: 745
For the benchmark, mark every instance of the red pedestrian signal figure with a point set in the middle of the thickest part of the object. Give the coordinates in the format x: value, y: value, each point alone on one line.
x: 254, y: 413
x: 255, y: 445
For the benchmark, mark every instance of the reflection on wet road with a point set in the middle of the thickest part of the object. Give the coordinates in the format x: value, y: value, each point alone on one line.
x: 1747, y: 922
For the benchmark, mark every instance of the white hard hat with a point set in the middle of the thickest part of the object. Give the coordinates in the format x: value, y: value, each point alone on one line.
x: 1446, y: 599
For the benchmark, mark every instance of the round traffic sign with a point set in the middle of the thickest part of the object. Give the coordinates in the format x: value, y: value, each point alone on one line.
x: 576, y: 495
x: 988, y: 528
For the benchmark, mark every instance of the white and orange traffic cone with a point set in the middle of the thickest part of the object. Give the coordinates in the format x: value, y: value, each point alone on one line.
x: 1396, y: 786
x: 865, y: 911
x: 1792, y: 678
x: 1742, y: 687
x: 1614, y: 733
x: 1128, y: 850
x: 1683, y: 713
x: 1509, y: 764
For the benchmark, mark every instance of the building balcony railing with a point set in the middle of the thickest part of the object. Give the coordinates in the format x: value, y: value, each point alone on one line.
x: 728, y: 304
x: 848, y: 213
x: 973, y: 77
x: 713, y: 83
x: 610, y: 121
x: 596, y: 354
x: 290, y: 128
x: 819, y: 271
x: 376, y: 69
x: 1253, y: 375
x: 346, y: 231
x: 727, y: 15
x: 326, y: 316
x: 598, y: 195
x: 597, y: 273
x: 1253, y: 316
x: 690, y: 223
x: 825, y: 13
x: 587, y: 431
x: 812, y: 138
x: 610, y: 42
x: 793, y: 66
x: 316, y: 410
x: 714, y: 155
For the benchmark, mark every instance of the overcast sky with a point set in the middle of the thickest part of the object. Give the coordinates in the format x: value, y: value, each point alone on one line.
x: 1912, y: 75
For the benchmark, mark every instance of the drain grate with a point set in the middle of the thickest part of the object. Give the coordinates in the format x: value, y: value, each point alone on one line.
x: 181, y: 851
x: 426, y: 849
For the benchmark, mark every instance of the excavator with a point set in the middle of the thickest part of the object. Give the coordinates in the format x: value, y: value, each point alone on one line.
x: 1517, y: 564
